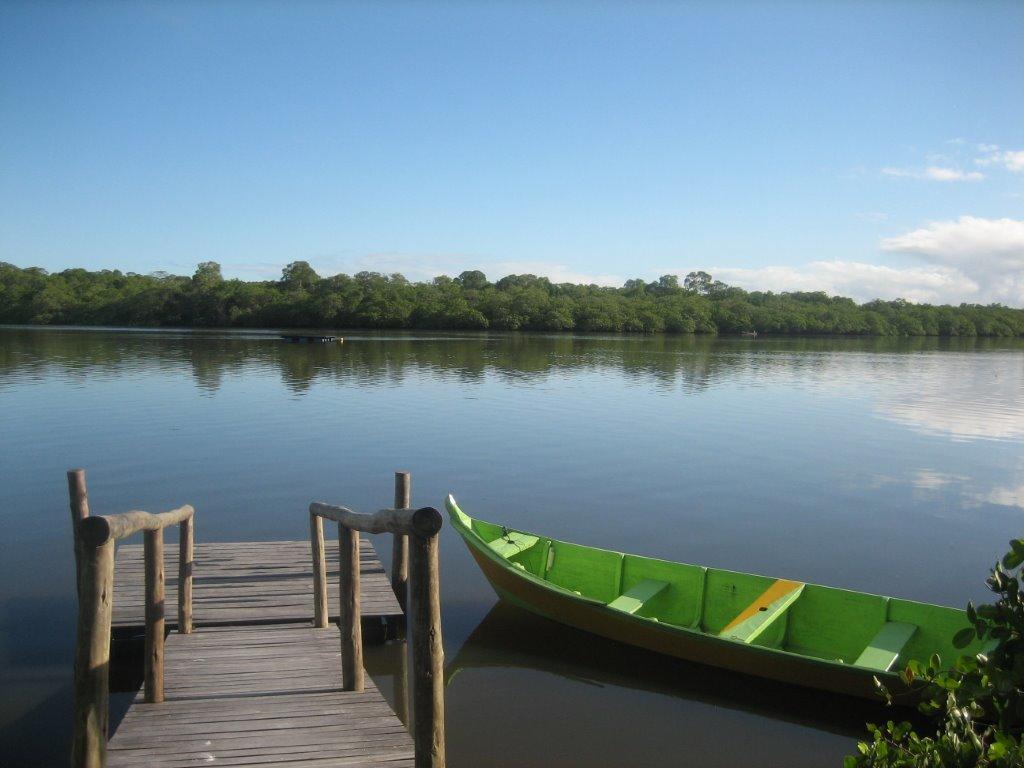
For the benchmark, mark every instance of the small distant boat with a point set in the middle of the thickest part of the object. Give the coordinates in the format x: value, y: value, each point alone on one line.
x: 303, y: 339
x: 749, y: 334
x: 805, y: 634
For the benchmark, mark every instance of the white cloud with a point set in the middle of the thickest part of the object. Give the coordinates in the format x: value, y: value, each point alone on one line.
x: 934, y: 173
x: 998, y: 242
x: 987, y: 252
x: 969, y: 259
x: 1010, y: 159
x: 856, y: 279
x: 556, y: 273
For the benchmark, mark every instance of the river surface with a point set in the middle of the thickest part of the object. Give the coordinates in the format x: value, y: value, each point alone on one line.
x: 889, y: 466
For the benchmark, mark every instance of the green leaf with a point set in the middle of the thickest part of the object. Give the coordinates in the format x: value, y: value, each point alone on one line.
x: 1012, y: 560
x: 964, y: 637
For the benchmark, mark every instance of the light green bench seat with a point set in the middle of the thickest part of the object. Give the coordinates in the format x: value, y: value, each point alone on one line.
x: 512, y: 544
x: 633, y: 600
x: 886, y: 646
x: 770, y: 606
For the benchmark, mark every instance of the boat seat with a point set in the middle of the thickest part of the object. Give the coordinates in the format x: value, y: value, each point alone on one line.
x: 512, y: 543
x: 633, y: 600
x: 771, y: 605
x: 886, y: 646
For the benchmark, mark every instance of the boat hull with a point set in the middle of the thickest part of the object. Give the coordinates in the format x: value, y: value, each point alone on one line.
x: 679, y: 642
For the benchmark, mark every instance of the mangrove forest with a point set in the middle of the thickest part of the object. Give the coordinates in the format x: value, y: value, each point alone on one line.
x: 302, y: 298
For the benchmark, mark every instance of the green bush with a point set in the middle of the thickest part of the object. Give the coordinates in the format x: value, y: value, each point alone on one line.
x: 975, y: 708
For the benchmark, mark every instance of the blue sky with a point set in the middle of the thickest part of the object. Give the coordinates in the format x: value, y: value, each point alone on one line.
x: 868, y: 149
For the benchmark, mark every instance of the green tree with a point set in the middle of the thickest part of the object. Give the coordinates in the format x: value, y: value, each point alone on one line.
x: 299, y: 275
x: 207, y: 275
x: 474, y: 280
x: 699, y: 282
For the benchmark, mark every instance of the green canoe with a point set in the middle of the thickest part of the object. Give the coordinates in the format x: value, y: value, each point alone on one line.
x: 806, y: 634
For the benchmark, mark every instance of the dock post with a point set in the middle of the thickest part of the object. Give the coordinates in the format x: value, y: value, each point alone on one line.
x: 316, y: 541
x: 350, y: 613
x: 400, y: 543
x: 79, y: 498
x: 92, y: 657
x: 186, y: 545
x: 153, y: 549
x: 427, y: 653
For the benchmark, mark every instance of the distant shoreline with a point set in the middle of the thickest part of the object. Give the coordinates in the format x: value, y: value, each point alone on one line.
x: 369, y: 301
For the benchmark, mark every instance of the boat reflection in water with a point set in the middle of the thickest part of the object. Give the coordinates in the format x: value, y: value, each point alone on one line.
x: 721, y: 716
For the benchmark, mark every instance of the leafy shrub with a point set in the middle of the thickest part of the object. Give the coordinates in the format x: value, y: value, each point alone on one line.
x: 977, y: 706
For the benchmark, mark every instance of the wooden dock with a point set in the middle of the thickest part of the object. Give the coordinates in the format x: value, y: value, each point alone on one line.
x: 246, y: 583
x: 268, y: 696
x: 256, y: 674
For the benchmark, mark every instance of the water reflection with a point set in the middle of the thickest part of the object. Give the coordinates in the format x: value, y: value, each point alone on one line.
x: 912, y: 386
x: 965, y: 397
x: 512, y: 642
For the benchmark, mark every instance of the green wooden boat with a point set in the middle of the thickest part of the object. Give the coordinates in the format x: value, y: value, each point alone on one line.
x: 806, y: 634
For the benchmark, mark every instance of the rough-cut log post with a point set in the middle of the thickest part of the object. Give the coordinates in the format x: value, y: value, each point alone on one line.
x: 427, y: 652
x: 350, y: 614
x: 79, y: 498
x: 400, y: 542
x: 153, y: 549
x: 186, y: 543
x: 92, y: 657
x: 316, y: 541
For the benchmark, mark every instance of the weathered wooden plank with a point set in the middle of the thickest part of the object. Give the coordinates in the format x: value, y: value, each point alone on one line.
x: 251, y: 582
x: 259, y: 696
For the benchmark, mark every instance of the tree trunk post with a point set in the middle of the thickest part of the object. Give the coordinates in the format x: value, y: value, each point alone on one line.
x: 316, y: 545
x: 186, y: 545
x: 92, y: 658
x: 400, y: 542
x: 153, y: 549
x: 427, y: 653
x: 79, y: 498
x: 350, y: 618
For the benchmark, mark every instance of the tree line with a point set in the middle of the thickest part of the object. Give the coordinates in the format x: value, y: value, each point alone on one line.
x: 303, y: 299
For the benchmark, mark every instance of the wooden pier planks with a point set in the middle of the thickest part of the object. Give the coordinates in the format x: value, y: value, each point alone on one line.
x: 265, y: 696
x: 261, y: 582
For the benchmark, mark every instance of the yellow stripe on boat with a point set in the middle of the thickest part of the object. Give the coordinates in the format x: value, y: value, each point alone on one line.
x: 756, y: 617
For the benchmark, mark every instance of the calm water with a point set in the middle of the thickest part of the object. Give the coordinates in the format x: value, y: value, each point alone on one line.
x: 886, y: 466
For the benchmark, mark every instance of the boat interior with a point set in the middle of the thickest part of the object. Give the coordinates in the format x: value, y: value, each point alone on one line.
x: 870, y: 631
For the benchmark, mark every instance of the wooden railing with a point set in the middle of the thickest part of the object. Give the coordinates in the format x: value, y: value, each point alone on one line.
x: 419, y: 528
x: 94, y: 554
